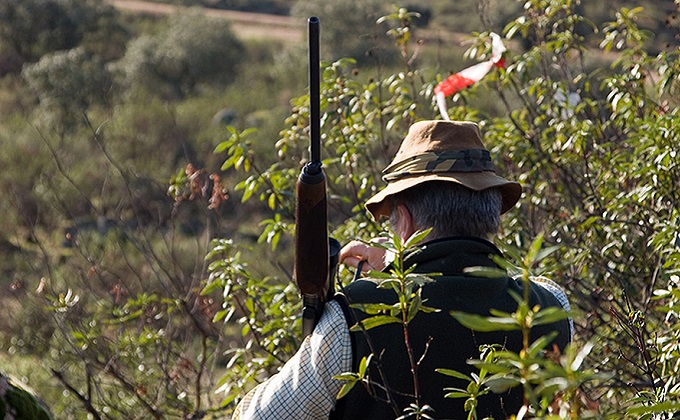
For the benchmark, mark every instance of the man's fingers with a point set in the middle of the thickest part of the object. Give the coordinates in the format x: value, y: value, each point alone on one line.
x: 355, y: 261
x: 356, y: 251
x: 352, y: 261
x: 352, y: 250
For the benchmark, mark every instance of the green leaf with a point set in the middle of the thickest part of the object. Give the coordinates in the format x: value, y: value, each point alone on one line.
x: 662, y: 407
x: 375, y: 321
x: 379, y: 275
x: 429, y: 310
x: 250, y: 305
x: 490, y: 367
x: 349, y: 376
x: 550, y: 315
x: 421, y: 279
x: 545, y: 252
x: 485, y: 324
x: 364, y: 364
x: 552, y: 385
x: 454, y: 373
x: 228, y: 163
x: 390, y: 283
x: 219, y: 315
x: 459, y: 394
x: 500, y: 314
x: 222, y: 147
x: 501, y: 383
x: 210, y: 287
x: 414, y: 307
x: 416, y: 238
x: 248, y: 131
x: 346, y: 388
x: 470, y: 405
x: 534, y: 248
x: 373, y: 308
x: 541, y: 343
x: 487, y: 272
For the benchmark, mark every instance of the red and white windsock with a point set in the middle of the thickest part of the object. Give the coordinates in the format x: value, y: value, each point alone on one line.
x: 470, y: 75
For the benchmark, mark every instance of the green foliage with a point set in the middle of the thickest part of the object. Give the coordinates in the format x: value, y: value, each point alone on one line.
x: 545, y: 380
x: 143, y: 342
x: 266, y: 311
x: 118, y: 270
x: 478, y: 384
x: 192, y: 50
x: 402, y: 33
x: 357, y: 17
x: 595, y: 178
x: 32, y: 28
x: 101, y: 271
x: 90, y: 233
x: 593, y: 148
x: 407, y: 287
x: 67, y: 83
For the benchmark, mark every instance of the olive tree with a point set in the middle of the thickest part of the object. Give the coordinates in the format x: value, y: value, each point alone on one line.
x: 30, y: 29
x: 192, y: 50
x: 67, y: 82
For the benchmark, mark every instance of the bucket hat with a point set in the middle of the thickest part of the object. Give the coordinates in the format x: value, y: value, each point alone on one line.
x: 442, y: 151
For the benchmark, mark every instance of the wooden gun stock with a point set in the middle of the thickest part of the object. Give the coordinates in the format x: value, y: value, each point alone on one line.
x: 311, y: 233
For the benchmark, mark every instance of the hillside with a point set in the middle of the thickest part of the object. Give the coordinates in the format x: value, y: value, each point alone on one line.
x: 245, y: 24
x: 444, y: 23
x: 250, y: 25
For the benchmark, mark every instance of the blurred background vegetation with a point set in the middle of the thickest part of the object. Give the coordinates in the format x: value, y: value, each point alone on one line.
x: 112, y: 193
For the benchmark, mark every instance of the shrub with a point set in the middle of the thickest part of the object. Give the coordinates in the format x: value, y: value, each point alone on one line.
x: 192, y: 50
x: 594, y: 150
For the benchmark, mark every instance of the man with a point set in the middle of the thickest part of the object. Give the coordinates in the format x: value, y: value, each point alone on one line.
x: 441, y: 178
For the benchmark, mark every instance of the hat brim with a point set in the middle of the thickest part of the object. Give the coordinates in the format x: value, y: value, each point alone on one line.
x: 379, y: 205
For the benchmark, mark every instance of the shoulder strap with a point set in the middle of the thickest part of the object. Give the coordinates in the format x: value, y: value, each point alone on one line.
x: 350, y: 319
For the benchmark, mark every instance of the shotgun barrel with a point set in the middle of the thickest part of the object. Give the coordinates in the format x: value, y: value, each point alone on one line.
x: 314, y: 91
x: 311, y: 269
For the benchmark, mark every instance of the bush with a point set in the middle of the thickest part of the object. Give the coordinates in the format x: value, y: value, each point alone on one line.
x: 30, y: 29
x: 594, y: 150
x: 338, y: 19
x: 120, y: 267
x: 67, y: 83
x: 191, y: 51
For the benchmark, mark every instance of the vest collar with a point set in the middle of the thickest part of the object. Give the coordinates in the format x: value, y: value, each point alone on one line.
x: 450, y: 256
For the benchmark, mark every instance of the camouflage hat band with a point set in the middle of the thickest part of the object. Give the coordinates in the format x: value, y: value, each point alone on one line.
x: 470, y: 160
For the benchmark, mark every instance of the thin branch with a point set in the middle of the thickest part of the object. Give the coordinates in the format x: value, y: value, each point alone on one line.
x: 133, y: 390
x: 87, y: 402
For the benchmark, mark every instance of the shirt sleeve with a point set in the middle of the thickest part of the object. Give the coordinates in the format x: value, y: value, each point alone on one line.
x: 304, y: 388
x: 559, y: 294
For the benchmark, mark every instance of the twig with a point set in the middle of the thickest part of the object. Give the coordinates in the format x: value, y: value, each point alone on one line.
x: 85, y: 400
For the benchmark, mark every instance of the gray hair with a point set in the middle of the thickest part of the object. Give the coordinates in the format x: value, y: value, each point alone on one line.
x: 451, y: 209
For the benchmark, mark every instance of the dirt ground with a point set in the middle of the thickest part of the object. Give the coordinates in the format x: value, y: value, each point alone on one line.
x: 244, y: 24
x: 264, y: 26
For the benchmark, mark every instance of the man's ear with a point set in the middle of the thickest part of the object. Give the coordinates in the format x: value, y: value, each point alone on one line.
x: 405, y: 227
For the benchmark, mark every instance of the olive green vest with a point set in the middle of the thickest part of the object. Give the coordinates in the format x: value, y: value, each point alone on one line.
x: 445, y: 342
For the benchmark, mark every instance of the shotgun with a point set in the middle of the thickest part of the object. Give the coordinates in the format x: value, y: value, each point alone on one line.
x: 315, y: 253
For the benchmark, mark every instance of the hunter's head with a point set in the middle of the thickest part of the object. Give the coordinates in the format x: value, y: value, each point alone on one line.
x: 443, y: 178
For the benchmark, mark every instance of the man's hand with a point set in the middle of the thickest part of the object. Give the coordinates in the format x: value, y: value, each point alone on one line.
x: 356, y: 251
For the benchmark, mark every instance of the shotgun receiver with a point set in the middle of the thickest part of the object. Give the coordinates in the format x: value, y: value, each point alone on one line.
x: 315, y: 253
